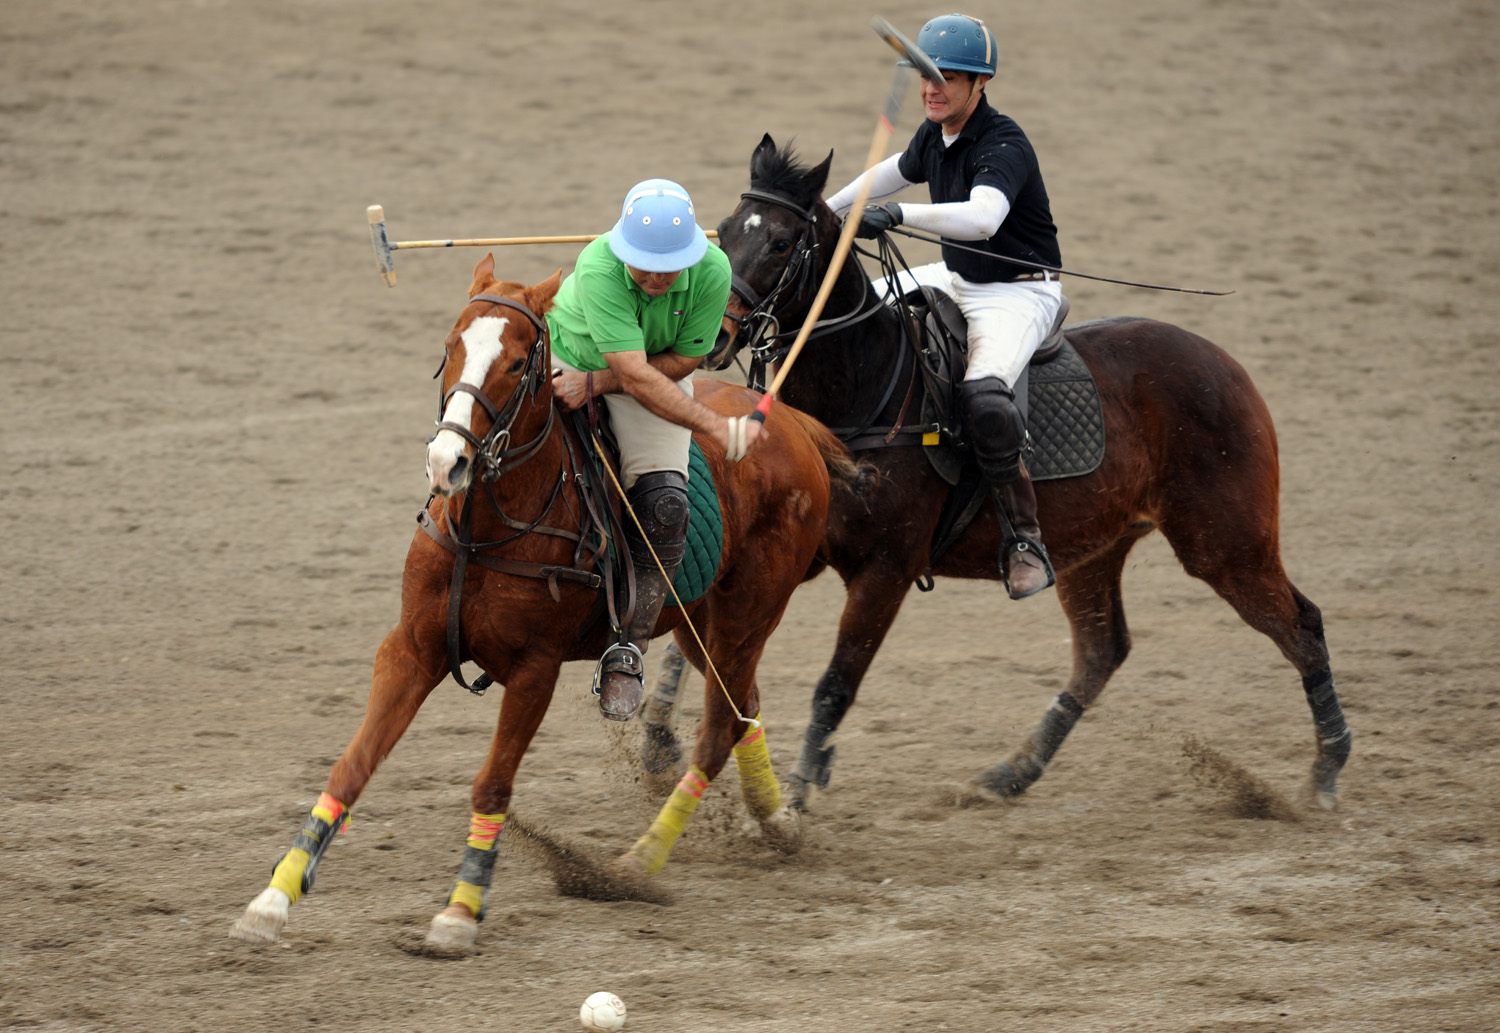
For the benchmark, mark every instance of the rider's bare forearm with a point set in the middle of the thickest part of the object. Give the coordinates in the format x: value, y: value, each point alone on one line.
x: 655, y: 388
x: 670, y: 364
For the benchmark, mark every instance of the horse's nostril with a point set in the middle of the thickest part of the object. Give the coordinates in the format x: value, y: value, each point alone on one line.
x: 460, y: 466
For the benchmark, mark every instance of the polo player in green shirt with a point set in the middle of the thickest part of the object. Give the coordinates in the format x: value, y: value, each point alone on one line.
x: 632, y: 322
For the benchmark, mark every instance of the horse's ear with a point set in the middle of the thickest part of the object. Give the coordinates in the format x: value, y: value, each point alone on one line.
x: 484, y: 272
x: 817, y: 176
x: 539, y: 298
x: 764, y: 150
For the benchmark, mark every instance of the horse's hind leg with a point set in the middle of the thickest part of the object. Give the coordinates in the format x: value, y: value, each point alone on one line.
x: 1244, y: 566
x: 659, y: 747
x: 1091, y: 599
x: 736, y: 655
x: 528, y: 691
x: 399, y: 685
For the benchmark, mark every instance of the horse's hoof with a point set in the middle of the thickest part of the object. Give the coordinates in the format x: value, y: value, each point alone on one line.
x: 1002, y: 782
x: 627, y: 868
x: 1326, y: 799
x: 797, y: 794
x: 973, y: 793
x: 451, y: 928
x: 625, y: 878
x: 782, y: 831
x: 264, y: 919
x: 660, y: 752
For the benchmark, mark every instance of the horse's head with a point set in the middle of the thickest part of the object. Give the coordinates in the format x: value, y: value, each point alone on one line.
x: 495, y: 361
x: 778, y: 241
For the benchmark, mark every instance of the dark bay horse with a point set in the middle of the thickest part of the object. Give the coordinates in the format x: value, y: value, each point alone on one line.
x: 528, y: 602
x: 1191, y: 452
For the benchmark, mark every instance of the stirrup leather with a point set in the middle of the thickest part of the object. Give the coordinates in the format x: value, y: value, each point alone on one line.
x: 622, y: 657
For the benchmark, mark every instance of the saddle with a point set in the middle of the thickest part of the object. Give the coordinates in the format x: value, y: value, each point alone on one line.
x: 1055, y: 393
x: 705, y: 533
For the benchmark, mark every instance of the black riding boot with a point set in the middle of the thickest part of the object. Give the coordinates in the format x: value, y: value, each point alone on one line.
x: 660, y: 501
x: 996, y: 431
x: 1024, y: 564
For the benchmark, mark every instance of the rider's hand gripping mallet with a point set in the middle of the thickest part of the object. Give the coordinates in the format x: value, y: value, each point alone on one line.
x: 883, y: 130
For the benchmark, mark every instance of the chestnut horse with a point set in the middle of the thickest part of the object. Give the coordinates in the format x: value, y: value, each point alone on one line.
x: 1191, y: 451
x: 529, y: 600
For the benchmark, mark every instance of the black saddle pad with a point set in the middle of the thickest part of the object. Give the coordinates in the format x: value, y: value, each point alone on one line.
x: 1064, y: 417
x: 1063, y: 414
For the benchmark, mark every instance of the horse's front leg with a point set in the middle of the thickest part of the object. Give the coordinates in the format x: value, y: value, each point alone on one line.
x: 528, y: 692
x: 404, y: 674
x: 875, y: 597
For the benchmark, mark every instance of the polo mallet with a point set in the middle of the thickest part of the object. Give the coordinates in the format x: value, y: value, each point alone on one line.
x: 385, y: 262
x: 883, y: 130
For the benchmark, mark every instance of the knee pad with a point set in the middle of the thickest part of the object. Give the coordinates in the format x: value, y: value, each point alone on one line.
x: 994, y: 427
x: 660, y: 501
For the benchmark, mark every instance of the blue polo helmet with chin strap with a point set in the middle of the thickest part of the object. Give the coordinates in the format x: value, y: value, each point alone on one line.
x: 657, y: 232
x: 957, y: 43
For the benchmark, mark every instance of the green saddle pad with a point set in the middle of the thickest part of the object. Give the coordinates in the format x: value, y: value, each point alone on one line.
x: 705, y: 537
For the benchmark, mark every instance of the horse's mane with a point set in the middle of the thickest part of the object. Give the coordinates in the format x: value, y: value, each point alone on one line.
x: 782, y: 172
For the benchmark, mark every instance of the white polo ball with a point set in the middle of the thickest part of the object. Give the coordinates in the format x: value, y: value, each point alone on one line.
x: 603, y: 1012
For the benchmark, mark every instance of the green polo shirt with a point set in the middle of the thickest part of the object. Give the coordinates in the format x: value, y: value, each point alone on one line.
x: 599, y: 309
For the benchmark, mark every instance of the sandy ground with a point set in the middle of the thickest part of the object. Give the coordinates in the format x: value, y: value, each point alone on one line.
x: 211, y: 425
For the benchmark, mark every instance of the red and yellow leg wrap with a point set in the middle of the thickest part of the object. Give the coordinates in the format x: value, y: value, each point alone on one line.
x: 655, y: 846
x: 479, y: 862
x: 758, y: 782
x: 294, y: 873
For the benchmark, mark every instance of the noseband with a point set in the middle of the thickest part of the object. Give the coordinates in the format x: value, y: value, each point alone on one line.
x: 490, y: 451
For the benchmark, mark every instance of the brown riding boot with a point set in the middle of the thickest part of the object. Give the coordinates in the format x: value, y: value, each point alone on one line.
x: 1024, y: 564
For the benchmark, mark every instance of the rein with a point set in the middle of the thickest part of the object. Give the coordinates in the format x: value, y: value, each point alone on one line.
x: 766, y: 341
x: 934, y: 239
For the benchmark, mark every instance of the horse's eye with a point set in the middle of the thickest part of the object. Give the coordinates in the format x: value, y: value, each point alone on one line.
x: 517, y: 366
x: 781, y: 247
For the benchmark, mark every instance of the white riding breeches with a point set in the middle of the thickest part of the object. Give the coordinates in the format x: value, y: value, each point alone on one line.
x: 647, y: 442
x: 1007, y: 321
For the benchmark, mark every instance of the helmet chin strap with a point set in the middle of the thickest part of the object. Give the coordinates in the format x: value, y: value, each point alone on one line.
x: 975, y: 90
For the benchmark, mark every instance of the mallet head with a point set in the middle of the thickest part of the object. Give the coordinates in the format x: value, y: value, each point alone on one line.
x: 384, y: 263
x: 913, y: 53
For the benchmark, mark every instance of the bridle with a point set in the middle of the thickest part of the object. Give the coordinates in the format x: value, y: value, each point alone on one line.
x: 767, y: 343
x: 491, y: 458
x: 760, y: 327
x: 490, y: 451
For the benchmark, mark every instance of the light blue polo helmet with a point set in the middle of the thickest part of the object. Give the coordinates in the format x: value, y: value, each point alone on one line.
x: 957, y: 43
x: 657, y: 232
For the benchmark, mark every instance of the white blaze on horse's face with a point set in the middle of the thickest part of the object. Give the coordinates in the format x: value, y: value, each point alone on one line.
x: 751, y: 221
x: 482, y: 346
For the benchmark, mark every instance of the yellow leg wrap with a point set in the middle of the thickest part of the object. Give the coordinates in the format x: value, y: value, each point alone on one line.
x: 483, y: 828
x: 468, y: 894
x: 656, y: 845
x: 758, y: 782
x: 479, y: 862
x: 288, y: 874
x: 327, y: 818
